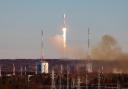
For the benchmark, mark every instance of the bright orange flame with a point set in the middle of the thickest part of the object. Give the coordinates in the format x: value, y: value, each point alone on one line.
x: 64, y: 36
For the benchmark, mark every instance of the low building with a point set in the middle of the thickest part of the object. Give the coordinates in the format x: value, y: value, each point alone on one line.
x: 42, y: 67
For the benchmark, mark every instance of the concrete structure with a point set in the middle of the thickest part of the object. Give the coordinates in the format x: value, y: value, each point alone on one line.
x: 42, y: 67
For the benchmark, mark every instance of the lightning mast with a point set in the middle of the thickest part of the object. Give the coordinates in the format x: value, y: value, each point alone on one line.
x: 88, y: 42
x: 42, y: 66
x: 89, y: 65
x: 42, y: 45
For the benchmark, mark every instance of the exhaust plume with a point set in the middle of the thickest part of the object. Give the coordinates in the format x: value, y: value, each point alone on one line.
x: 64, y: 36
x: 70, y: 52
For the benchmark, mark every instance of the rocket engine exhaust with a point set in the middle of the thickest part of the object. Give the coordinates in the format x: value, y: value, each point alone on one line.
x: 64, y: 29
x: 64, y: 36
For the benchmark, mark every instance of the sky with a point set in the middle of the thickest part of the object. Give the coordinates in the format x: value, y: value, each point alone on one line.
x: 21, y: 22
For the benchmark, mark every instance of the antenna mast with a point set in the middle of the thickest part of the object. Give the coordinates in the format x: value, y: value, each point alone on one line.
x: 89, y: 64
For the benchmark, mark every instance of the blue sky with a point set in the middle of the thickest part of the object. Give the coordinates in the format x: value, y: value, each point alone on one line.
x: 21, y: 22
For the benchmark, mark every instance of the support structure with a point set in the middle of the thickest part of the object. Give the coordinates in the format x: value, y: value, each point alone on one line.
x: 61, y: 72
x: 99, y: 79
x: 42, y: 65
x: 53, y: 80
x: 35, y: 69
x: 0, y: 72
x: 78, y: 83
x: 42, y: 46
x: 89, y: 64
x: 21, y: 71
x: 73, y: 83
x: 25, y: 70
x: 13, y: 70
x: 118, y: 85
x: 67, y: 77
x: 86, y: 80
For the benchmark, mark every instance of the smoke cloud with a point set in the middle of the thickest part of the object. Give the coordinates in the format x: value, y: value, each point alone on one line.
x: 108, y: 49
x: 69, y: 52
x: 57, y: 42
x: 76, y: 52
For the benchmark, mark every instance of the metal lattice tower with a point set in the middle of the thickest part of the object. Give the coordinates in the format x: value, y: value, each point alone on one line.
x: 44, y: 64
x: 36, y: 69
x: 86, y: 81
x: 88, y: 41
x: 25, y: 70
x: 13, y: 70
x: 67, y: 77
x: 118, y: 85
x: 61, y: 72
x: 89, y: 65
x: 0, y: 72
x: 73, y: 83
x: 53, y: 80
x: 21, y: 71
x: 99, y: 80
x: 42, y: 46
x: 78, y: 83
